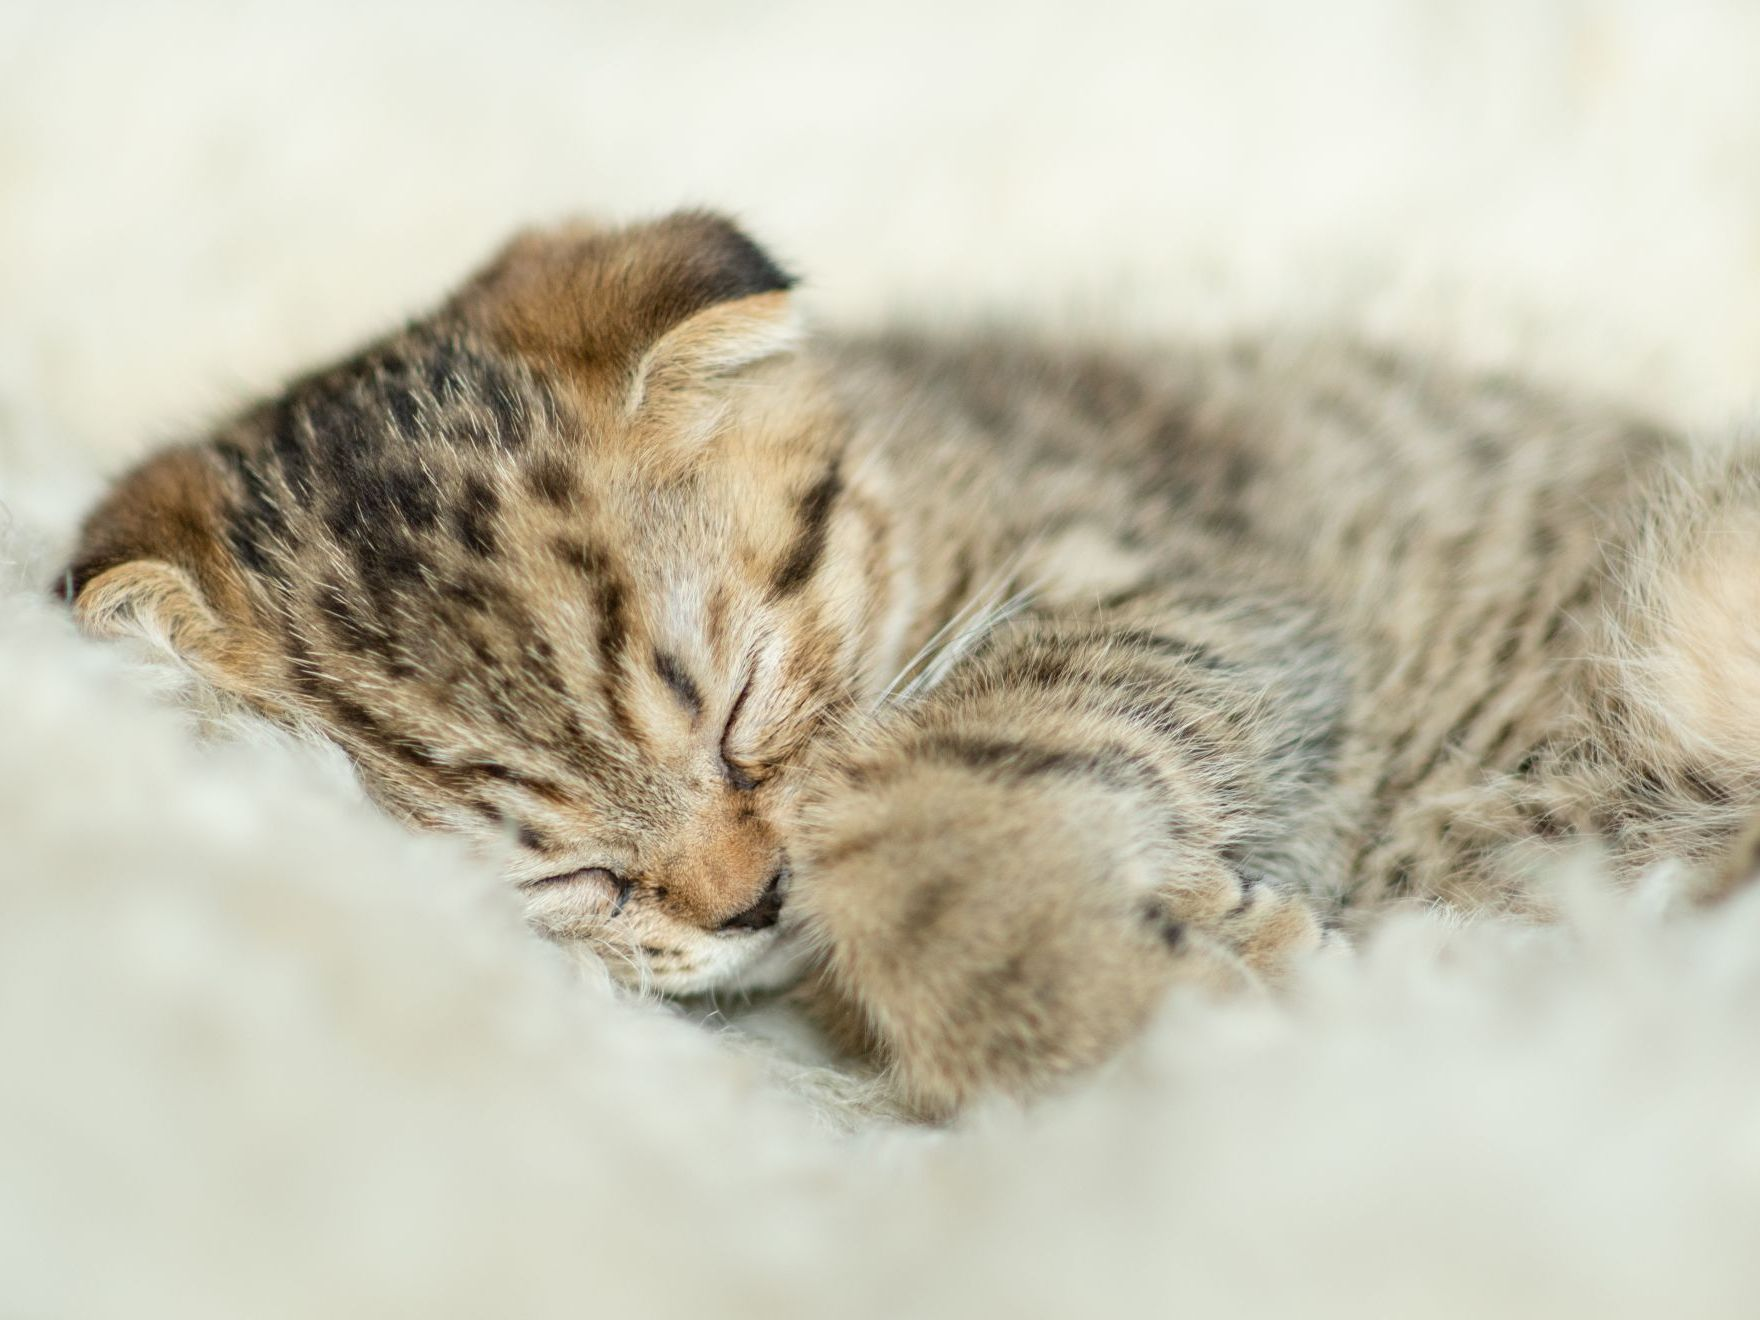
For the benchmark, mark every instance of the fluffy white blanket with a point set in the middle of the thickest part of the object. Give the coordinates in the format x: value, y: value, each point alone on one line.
x: 262, y: 1054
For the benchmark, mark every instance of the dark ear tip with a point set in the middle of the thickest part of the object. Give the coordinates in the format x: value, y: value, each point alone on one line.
x: 736, y: 264
x: 757, y: 269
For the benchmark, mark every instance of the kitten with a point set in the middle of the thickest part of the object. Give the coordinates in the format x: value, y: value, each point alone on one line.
x: 1014, y: 682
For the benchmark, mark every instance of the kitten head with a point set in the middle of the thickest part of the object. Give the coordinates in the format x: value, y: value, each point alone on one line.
x: 576, y: 562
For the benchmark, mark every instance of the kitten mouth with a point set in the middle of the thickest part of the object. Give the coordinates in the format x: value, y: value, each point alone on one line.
x: 678, y: 972
x: 780, y: 963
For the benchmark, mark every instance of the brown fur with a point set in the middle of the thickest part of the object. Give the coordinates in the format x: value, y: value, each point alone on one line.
x: 1026, y: 682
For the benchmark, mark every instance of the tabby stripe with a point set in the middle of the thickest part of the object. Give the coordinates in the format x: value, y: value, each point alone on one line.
x: 473, y: 517
x: 1159, y: 644
x: 552, y: 480
x: 1394, y: 785
x: 957, y: 591
x: 288, y: 446
x: 1015, y: 760
x: 1458, y: 733
x: 350, y: 629
x: 548, y: 789
x: 592, y: 564
x: 1396, y: 780
x: 1050, y: 673
x: 673, y: 675
x: 1565, y: 613
x: 613, y: 637
x: 1155, y: 713
x: 462, y: 780
x: 363, y: 723
x: 613, y: 623
x: 530, y: 837
x: 809, y: 542
x: 715, y: 623
x: 1135, y: 592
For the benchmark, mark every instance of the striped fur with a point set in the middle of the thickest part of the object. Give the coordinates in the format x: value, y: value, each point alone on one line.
x: 1021, y: 681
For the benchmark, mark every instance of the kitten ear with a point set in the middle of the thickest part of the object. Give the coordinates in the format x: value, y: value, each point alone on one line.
x: 152, y: 562
x: 643, y: 312
x: 716, y: 342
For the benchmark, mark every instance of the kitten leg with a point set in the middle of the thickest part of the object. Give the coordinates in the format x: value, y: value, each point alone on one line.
x: 1011, y: 874
x: 1685, y: 626
x: 1664, y: 761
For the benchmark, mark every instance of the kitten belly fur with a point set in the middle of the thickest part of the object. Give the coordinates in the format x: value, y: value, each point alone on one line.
x: 1009, y: 683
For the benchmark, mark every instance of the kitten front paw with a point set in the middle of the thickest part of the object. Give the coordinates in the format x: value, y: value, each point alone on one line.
x: 987, y: 948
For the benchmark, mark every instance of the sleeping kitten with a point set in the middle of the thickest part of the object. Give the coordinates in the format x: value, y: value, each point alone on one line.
x: 1015, y: 683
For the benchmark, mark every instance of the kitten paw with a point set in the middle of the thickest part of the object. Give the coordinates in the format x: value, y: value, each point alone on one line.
x: 1268, y: 927
x: 983, y: 950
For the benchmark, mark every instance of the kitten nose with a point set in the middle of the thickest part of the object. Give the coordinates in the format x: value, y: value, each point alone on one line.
x: 766, y: 911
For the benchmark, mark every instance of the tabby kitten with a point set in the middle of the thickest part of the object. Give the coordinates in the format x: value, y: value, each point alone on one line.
x: 1005, y: 684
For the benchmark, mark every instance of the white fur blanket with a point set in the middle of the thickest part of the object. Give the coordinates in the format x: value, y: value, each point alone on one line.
x: 262, y: 1054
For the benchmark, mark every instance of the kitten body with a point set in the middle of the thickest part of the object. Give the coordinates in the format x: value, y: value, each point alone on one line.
x: 1014, y: 683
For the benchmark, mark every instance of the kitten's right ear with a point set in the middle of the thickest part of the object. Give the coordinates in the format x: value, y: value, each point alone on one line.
x: 650, y: 320
x: 152, y: 562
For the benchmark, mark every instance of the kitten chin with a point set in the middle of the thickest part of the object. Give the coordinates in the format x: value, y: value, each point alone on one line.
x: 780, y: 966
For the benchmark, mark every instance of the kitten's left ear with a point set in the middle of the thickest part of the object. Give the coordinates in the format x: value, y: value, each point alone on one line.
x: 152, y: 562
x: 647, y: 316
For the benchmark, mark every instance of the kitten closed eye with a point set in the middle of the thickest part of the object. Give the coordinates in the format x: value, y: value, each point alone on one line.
x: 740, y: 776
x: 615, y: 886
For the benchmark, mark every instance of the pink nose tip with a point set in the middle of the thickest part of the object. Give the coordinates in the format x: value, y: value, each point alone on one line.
x: 766, y: 911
